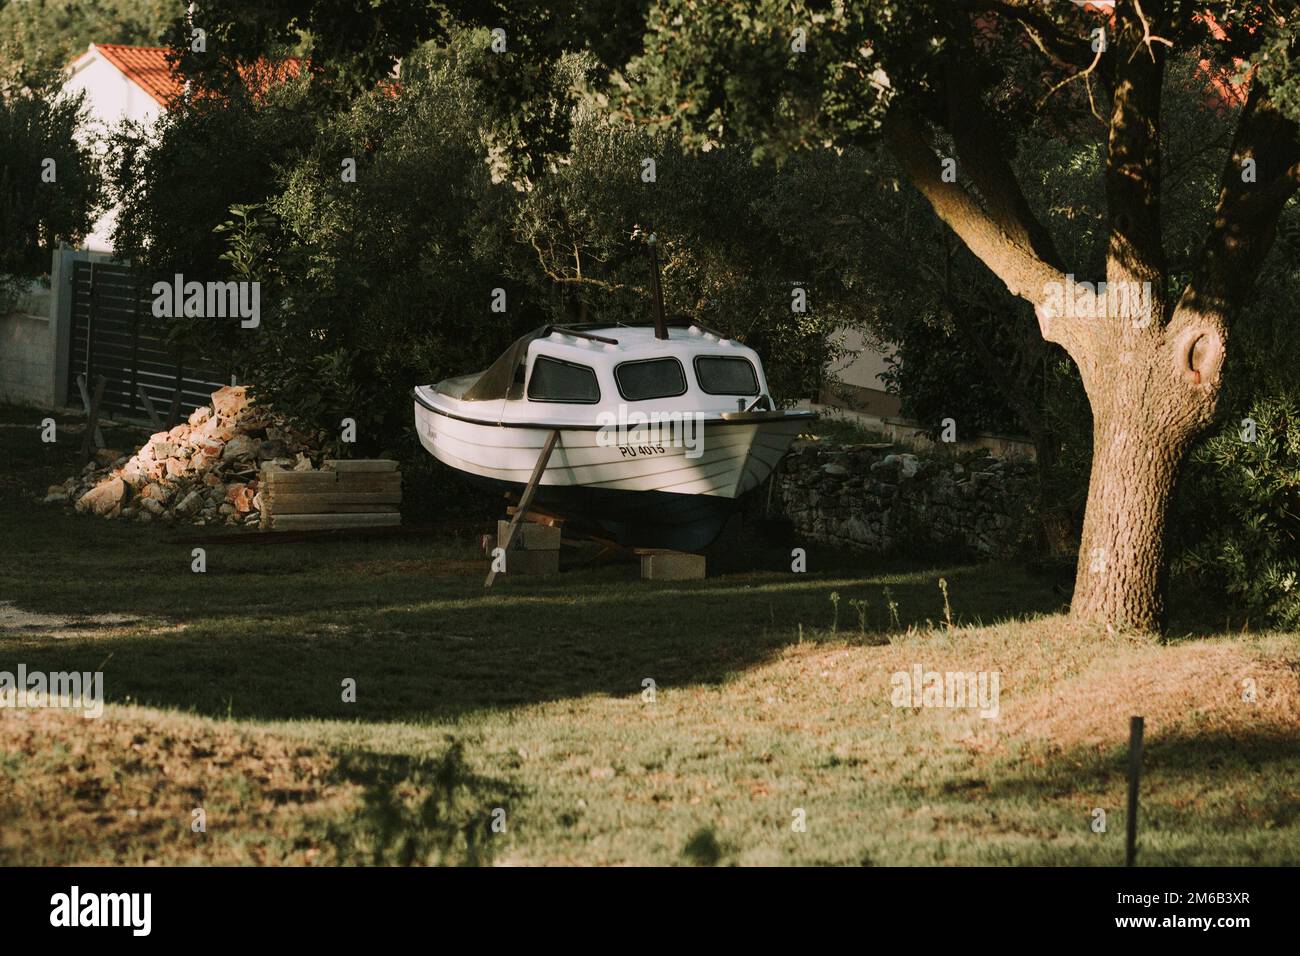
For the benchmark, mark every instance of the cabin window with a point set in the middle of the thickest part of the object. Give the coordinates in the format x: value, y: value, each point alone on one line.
x: 653, y: 378
x: 556, y: 381
x: 726, y: 376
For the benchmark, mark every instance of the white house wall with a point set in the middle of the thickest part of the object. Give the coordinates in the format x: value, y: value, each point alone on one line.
x: 110, y: 99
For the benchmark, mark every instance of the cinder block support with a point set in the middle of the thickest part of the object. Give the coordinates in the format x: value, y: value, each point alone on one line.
x: 529, y: 537
x: 519, y: 561
x: 672, y: 566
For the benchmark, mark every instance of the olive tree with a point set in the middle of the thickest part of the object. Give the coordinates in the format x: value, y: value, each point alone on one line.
x: 946, y: 85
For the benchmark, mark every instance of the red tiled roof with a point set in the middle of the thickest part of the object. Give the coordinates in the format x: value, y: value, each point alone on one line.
x: 147, y: 67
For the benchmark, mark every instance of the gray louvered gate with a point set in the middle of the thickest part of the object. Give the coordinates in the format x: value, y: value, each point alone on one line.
x: 115, y: 334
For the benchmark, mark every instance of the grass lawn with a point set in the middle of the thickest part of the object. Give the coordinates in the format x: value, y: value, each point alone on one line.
x: 225, y: 694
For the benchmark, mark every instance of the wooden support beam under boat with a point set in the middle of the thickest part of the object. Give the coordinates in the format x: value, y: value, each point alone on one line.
x: 538, y: 516
x: 525, y: 500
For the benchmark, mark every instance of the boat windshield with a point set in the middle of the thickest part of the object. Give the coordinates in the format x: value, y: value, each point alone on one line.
x: 494, y: 384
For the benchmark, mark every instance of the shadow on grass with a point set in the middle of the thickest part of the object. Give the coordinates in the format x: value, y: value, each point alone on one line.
x: 1192, y: 787
x: 272, y: 633
x: 419, y: 811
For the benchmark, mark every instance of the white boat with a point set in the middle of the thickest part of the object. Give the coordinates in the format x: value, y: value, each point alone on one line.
x: 662, y: 429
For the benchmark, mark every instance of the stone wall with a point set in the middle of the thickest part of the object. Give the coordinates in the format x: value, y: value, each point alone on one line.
x: 874, y: 498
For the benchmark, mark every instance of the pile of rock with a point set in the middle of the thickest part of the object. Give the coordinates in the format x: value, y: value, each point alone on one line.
x: 872, y: 498
x: 204, y: 471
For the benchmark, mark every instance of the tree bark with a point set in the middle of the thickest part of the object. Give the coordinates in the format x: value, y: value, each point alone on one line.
x: 1121, y: 555
x: 1153, y: 388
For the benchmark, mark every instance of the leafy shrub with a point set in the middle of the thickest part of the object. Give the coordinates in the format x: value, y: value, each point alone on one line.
x: 38, y: 140
x: 1243, y: 504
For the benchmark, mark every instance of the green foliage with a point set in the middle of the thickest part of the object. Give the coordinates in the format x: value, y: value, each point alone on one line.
x: 375, y: 285
x: 712, y: 71
x: 177, y: 182
x: 39, y: 38
x: 36, y: 127
x: 936, y: 376
x: 1247, y: 498
x: 520, y: 171
x: 731, y: 240
x: 350, y: 46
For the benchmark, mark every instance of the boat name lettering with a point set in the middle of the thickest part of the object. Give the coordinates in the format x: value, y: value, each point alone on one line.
x: 635, y: 451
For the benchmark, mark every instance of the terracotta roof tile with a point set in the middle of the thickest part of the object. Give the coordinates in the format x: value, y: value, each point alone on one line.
x: 148, y: 68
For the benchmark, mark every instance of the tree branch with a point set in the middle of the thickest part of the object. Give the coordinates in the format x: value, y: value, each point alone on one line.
x: 545, y: 259
x: 1245, y: 222
x: 1042, y: 30
x: 1001, y: 241
x: 985, y: 163
x: 1135, y: 253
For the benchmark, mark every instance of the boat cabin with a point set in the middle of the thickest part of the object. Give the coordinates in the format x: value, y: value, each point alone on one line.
x: 561, y: 372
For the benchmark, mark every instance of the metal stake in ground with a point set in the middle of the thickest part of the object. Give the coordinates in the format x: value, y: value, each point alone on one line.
x: 1134, y: 777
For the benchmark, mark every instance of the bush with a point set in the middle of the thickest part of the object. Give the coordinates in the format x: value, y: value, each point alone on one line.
x: 1243, y: 510
x: 50, y: 181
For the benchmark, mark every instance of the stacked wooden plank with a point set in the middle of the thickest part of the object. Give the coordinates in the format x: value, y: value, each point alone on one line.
x: 341, y: 494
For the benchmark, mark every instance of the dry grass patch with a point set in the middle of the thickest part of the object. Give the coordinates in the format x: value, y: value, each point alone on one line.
x: 1201, y: 689
x: 123, y: 788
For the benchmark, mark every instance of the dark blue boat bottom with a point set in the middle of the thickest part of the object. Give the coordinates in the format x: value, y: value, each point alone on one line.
x: 634, y: 519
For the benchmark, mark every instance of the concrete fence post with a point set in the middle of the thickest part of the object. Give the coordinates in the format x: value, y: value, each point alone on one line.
x: 60, y: 322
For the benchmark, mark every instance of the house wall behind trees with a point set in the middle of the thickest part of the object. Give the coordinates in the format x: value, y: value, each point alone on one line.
x: 111, y: 98
x: 854, y: 380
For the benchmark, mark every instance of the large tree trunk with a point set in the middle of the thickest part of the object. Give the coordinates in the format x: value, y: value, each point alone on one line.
x: 1121, y: 556
x: 1152, y: 391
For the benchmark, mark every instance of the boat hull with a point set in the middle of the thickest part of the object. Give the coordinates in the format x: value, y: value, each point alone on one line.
x: 633, y: 519
x: 641, y: 492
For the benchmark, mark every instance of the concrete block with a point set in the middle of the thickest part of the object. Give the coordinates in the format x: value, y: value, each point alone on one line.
x: 672, y: 566
x: 530, y: 537
x: 519, y: 561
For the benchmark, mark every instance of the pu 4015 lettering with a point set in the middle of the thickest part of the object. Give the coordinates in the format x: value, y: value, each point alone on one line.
x: 636, y: 451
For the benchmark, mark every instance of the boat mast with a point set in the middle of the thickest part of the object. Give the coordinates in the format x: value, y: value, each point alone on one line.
x: 661, y: 328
